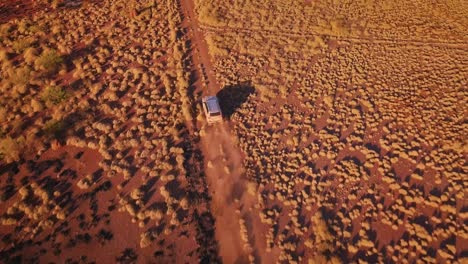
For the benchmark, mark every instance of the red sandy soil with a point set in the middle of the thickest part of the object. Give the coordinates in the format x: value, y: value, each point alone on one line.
x: 87, y: 215
x: 226, y: 188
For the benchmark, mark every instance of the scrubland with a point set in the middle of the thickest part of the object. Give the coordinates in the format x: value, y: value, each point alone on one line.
x: 355, y: 137
x: 95, y: 137
x: 438, y: 21
x: 350, y: 119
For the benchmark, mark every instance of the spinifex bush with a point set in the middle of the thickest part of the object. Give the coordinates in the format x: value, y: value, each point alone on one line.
x: 21, y: 76
x: 10, y: 149
x: 49, y: 61
x: 21, y: 44
x: 53, y: 128
x: 54, y: 95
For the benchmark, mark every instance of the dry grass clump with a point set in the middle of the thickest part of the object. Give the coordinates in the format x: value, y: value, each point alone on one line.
x: 4, y: 55
x: 53, y: 128
x: 85, y: 183
x: 30, y: 55
x: 20, y: 77
x: 49, y: 62
x: 54, y: 95
x: 11, y: 149
x: 21, y: 45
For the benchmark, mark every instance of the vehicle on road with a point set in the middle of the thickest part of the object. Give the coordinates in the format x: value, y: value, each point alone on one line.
x: 212, y: 109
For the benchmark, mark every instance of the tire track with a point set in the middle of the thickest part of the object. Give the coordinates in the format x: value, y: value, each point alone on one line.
x: 223, y: 159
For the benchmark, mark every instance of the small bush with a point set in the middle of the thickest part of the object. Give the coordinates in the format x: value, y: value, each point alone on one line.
x: 214, y: 47
x: 5, y: 29
x: 49, y: 61
x: 21, y: 44
x: 30, y: 55
x: 36, y: 28
x: 56, y: 3
x: 10, y: 149
x: 210, y: 16
x: 53, y: 128
x: 36, y: 105
x: 104, y: 236
x: 21, y: 76
x: 4, y: 56
x: 54, y: 95
x: 23, y: 25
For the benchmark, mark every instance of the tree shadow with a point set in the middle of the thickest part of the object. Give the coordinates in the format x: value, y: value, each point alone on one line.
x: 232, y: 97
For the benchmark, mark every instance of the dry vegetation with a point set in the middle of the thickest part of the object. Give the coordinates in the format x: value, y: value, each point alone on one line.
x: 94, y: 138
x: 356, y: 136
x: 442, y: 21
x: 354, y: 140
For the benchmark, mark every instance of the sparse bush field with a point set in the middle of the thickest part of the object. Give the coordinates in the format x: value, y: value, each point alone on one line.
x: 355, y: 131
x: 353, y: 140
x: 94, y: 138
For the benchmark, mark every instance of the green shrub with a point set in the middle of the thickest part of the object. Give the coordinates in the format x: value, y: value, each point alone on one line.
x: 54, y: 95
x: 49, y: 61
x: 53, y: 128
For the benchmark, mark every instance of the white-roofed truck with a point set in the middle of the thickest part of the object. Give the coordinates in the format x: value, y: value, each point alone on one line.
x: 212, y: 110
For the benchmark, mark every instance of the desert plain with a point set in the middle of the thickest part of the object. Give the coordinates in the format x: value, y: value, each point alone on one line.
x: 344, y: 137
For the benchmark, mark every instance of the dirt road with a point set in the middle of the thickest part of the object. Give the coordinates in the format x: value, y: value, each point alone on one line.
x: 224, y: 173
x: 200, y: 56
x: 238, y: 226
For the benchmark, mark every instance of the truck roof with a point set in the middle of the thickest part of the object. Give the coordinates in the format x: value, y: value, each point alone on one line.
x: 212, y: 104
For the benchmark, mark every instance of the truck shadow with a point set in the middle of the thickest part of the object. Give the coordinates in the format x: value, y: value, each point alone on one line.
x: 232, y: 97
